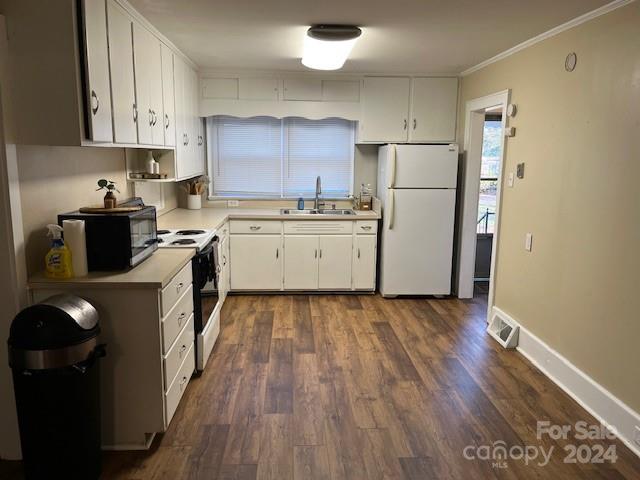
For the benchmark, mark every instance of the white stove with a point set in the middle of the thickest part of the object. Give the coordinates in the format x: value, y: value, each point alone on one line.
x: 184, y: 238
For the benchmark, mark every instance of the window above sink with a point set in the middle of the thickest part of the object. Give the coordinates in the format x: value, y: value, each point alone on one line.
x: 267, y: 157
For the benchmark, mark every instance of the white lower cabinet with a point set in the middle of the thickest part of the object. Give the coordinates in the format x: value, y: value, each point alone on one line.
x: 256, y: 262
x: 334, y: 272
x: 301, y: 262
x: 313, y: 262
x: 299, y: 255
x: 364, y: 262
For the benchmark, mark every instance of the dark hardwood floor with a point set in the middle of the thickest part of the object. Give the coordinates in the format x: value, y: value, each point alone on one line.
x: 359, y: 387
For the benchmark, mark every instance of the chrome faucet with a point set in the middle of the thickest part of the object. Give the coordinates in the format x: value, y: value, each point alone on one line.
x: 316, y: 203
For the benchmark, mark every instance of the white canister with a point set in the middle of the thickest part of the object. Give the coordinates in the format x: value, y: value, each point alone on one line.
x: 194, y: 202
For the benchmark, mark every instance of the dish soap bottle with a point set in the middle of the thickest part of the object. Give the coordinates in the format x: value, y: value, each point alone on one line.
x: 58, y: 260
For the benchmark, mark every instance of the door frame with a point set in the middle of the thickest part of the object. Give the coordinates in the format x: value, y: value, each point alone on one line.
x: 472, y: 159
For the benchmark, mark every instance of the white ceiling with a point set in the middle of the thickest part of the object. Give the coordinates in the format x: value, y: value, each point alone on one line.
x: 399, y: 36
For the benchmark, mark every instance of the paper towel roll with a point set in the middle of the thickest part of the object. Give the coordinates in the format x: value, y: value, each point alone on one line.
x: 76, y: 240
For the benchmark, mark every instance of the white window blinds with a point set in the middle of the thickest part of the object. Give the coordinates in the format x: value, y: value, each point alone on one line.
x: 318, y: 147
x: 246, y: 154
x: 268, y: 157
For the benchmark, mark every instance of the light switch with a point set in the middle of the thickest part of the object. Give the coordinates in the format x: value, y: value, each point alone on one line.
x: 528, y: 241
x: 510, y: 179
x: 520, y: 170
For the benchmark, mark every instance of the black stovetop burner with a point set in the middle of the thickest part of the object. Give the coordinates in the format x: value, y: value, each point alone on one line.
x: 184, y: 241
x: 190, y: 232
x: 163, y: 232
x: 159, y: 240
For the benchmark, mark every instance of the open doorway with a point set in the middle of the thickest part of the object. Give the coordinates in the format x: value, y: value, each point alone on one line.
x: 490, y: 167
x: 483, y: 164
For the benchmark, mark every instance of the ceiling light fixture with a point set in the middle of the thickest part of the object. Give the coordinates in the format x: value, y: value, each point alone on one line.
x: 326, y: 47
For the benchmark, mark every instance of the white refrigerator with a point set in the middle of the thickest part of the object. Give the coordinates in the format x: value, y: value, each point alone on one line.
x: 417, y: 188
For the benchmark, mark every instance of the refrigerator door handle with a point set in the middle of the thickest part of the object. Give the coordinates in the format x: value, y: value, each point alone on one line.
x: 392, y: 208
x: 392, y: 166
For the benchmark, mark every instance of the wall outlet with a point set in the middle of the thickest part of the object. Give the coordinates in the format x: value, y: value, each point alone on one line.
x: 636, y: 435
x: 528, y: 241
x: 510, y: 179
x: 233, y: 203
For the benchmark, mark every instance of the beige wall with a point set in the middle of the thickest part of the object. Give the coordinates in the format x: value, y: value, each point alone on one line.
x: 61, y: 179
x: 579, y: 135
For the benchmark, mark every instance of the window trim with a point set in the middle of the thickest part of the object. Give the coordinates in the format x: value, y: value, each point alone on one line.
x: 212, y: 154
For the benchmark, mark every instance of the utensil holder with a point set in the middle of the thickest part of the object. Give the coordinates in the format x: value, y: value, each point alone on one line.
x: 194, y: 202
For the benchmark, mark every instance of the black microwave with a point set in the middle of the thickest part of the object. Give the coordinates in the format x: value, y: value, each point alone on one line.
x: 117, y: 241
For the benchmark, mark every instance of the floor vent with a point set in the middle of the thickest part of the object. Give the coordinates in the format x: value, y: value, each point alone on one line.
x: 504, y: 330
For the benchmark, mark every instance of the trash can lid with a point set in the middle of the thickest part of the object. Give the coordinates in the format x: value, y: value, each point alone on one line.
x: 59, y: 321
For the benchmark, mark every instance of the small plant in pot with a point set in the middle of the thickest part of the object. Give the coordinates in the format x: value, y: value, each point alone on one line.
x: 109, y: 198
x: 195, y: 188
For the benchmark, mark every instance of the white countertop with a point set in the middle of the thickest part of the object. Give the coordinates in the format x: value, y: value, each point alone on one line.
x: 213, y: 218
x: 154, y: 272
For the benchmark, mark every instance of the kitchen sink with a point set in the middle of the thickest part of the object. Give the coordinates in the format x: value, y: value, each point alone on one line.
x: 293, y: 211
x: 336, y: 212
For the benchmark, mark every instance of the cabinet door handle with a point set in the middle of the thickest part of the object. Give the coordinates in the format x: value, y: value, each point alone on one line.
x: 183, y: 382
x: 181, y: 318
x: 183, y: 349
x: 155, y: 118
x: 95, y: 102
x: 255, y: 227
x: 150, y: 117
x: 405, y: 124
x: 415, y: 123
x: 316, y: 254
x: 184, y: 139
x: 179, y: 287
x: 320, y: 253
x: 277, y: 252
x: 135, y: 113
x: 365, y: 227
x: 358, y: 253
x: 166, y: 121
x: 187, y: 135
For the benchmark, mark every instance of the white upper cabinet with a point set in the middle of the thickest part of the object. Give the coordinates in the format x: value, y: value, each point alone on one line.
x: 148, y: 80
x: 385, y: 109
x: 189, y: 148
x: 414, y: 110
x: 123, y: 94
x: 94, y: 17
x: 258, y: 88
x: 433, y: 109
x: 168, y: 96
x: 309, y: 89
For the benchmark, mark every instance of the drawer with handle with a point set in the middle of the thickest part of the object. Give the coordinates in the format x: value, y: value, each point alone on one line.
x: 178, y: 352
x: 366, y: 226
x: 177, y: 286
x: 179, y: 384
x: 256, y: 226
x: 176, y: 319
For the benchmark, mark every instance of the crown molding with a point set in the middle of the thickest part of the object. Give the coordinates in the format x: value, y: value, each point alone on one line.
x: 609, y: 7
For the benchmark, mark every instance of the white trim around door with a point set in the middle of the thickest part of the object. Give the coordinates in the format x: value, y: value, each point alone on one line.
x: 472, y: 159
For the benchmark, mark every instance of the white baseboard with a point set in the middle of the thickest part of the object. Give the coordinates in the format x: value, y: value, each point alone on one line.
x: 589, y: 394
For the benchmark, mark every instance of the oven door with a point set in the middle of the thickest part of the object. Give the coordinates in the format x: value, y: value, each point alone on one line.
x: 207, y: 303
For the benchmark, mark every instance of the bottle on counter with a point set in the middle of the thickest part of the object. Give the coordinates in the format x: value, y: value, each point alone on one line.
x: 365, y: 197
x: 58, y: 259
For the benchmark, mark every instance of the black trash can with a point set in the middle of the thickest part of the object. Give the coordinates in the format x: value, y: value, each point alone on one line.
x: 54, y: 354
